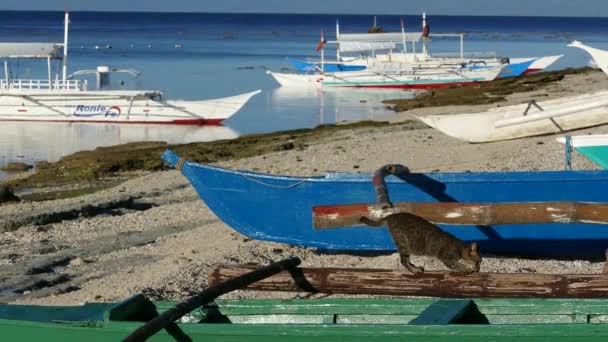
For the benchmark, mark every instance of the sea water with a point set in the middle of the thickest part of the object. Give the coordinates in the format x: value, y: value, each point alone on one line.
x: 204, y: 56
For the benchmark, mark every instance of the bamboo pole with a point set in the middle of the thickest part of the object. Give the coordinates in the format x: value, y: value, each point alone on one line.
x: 432, y: 284
x: 335, y: 216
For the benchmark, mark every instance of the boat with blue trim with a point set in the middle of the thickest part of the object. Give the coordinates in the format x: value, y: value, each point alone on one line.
x: 278, y: 208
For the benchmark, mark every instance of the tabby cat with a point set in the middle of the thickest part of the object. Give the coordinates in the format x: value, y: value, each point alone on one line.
x: 415, y: 235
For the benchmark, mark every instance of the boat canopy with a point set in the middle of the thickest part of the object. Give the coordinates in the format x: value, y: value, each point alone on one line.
x: 396, y: 37
x: 365, y: 46
x: 30, y: 50
x: 357, y: 42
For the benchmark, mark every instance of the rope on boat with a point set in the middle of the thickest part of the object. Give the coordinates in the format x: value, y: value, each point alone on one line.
x: 568, y: 150
x: 275, y: 186
x: 180, y: 164
x: 380, y: 185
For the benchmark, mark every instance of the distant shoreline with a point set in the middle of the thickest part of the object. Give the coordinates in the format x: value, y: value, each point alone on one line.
x: 365, y: 15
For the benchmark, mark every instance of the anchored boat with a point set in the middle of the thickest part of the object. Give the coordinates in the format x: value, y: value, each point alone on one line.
x: 69, y: 100
x: 386, y: 63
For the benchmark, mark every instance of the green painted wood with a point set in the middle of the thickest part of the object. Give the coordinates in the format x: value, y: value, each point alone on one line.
x: 444, y: 312
x: 320, y: 333
x: 324, y: 320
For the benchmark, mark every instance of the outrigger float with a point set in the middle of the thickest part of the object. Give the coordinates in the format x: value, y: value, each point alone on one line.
x: 466, y: 309
x: 67, y: 99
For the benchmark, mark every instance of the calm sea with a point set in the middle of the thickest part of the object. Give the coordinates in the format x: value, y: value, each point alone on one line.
x: 202, y: 56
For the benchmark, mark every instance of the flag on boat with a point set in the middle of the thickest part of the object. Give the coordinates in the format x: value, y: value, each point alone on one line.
x: 425, y: 28
x: 321, y: 43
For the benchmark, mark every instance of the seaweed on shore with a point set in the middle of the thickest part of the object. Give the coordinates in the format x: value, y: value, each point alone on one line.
x: 89, y: 171
x: 484, y: 93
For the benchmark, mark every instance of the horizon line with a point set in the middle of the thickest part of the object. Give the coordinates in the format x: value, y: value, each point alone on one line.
x: 304, y: 13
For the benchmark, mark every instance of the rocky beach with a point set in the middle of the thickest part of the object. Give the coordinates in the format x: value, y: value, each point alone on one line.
x: 100, y: 226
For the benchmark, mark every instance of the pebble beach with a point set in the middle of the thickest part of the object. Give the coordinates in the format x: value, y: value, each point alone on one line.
x: 153, y: 234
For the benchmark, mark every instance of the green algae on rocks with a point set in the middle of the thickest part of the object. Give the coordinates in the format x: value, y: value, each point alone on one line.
x: 88, y: 171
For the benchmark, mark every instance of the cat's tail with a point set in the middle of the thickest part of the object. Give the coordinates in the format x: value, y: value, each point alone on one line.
x: 372, y: 223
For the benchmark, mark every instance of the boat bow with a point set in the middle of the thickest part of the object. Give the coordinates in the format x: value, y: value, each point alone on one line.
x: 599, y: 56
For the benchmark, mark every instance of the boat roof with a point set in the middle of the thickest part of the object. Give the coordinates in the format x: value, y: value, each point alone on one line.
x: 355, y: 42
x: 396, y: 37
x: 30, y: 50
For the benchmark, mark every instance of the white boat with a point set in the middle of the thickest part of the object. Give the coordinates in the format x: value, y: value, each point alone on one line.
x: 529, y: 119
x: 391, y: 75
x: 69, y: 100
x: 398, y: 51
x: 410, y: 71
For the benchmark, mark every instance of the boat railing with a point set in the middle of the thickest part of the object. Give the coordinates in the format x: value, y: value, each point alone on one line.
x: 43, y: 85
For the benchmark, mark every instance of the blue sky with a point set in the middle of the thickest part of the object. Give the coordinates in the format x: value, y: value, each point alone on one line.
x: 454, y: 7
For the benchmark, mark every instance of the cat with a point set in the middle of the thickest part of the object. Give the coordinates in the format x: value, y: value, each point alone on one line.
x: 415, y: 235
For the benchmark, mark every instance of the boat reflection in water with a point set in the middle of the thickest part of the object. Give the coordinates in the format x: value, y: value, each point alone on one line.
x: 36, y: 141
x: 337, y: 104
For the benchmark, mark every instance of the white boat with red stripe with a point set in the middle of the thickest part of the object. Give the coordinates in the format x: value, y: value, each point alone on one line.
x: 62, y: 99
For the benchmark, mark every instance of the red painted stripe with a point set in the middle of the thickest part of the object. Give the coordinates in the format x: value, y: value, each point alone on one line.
x: 194, y: 122
x: 22, y: 110
x: 531, y: 71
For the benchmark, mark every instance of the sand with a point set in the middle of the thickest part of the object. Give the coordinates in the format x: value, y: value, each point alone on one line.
x: 152, y: 234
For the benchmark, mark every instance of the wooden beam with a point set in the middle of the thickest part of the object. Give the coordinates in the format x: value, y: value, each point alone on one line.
x: 431, y: 284
x: 335, y: 216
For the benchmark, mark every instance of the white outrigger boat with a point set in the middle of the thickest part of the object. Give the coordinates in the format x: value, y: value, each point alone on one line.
x: 69, y: 100
x: 409, y: 71
x: 533, y: 118
x: 395, y: 67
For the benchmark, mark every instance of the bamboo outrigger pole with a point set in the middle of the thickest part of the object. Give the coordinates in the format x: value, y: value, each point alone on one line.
x: 335, y: 216
x: 433, y: 284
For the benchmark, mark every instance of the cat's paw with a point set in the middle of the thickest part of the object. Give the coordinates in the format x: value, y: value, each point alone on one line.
x: 416, y: 270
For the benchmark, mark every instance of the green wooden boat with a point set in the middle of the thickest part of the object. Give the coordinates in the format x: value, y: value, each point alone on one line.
x: 322, y: 320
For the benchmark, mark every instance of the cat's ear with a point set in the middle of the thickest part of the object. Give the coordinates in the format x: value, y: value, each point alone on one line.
x: 474, y: 249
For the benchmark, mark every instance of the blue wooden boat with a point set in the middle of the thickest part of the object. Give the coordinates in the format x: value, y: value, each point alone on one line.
x: 278, y: 208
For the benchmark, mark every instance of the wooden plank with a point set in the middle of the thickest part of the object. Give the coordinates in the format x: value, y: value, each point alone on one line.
x: 335, y: 216
x: 429, y: 284
x: 443, y: 312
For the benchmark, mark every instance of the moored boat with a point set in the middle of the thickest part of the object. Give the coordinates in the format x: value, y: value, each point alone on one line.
x: 65, y: 99
x: 408, y: 77
x: 381, y: 49
x: 278, y: 208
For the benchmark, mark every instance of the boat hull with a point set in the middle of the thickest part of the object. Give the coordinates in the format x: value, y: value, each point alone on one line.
x: 594, y: 147
x: 279, y: 208
x: 324, y: 320
x: 116, y: 107
x: 481, y: 127
x: 371, y: 80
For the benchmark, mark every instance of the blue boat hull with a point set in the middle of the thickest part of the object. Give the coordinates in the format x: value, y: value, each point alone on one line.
x: 510, y: 70
x: 515, y: 69
x: 279, y: 208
